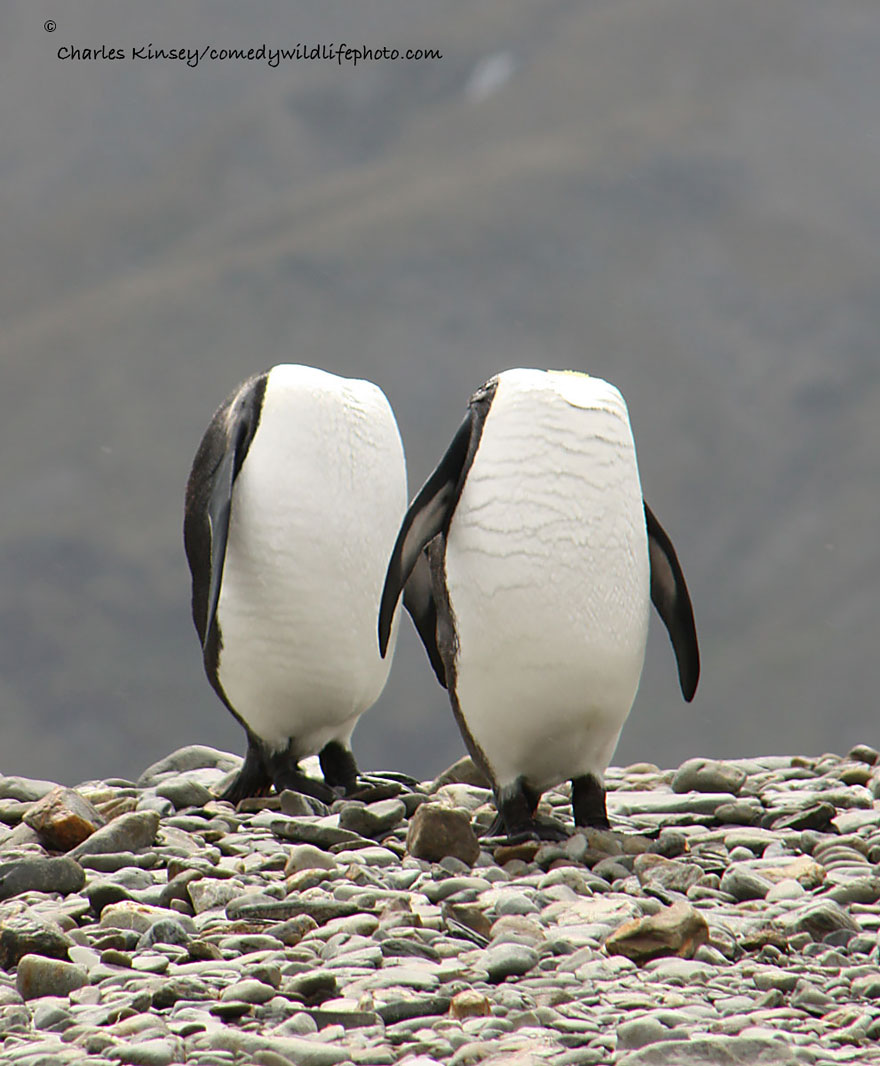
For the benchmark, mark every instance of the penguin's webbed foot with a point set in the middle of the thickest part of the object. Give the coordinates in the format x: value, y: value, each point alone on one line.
x: 380, y: 785
x: 295, y: 780
x: 381, y: 777
x: 340, y: 772
x: 496, y: 830
x: 540, y: 830
x: 370, y: 790
x: 517, y: 820
x: 588, y: 803
x: 241, y: 789
x: 549, y: 829
x: 285, y: 771
x: 339, y: 768
x: 253, y: 779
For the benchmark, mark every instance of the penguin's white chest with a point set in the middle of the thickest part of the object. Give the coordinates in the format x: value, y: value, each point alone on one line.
x: 315, y: 509
x: 548, y: 580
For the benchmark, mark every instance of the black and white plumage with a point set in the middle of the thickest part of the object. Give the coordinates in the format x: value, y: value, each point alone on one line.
x: 544, y: 559
x: 295, y: 496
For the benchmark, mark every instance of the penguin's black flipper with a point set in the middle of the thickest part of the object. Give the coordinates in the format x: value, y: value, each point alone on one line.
x: 431, y: 511
x: 428, y: 514
x: 418, y: 599
x: 669, y: 594
x: 209, y: 496
x: 219, y: 505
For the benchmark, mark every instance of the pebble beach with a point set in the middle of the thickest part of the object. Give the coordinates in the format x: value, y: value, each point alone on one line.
x: 729, y: 916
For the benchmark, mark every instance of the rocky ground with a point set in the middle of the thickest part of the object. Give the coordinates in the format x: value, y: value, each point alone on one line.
x: 730, y: 917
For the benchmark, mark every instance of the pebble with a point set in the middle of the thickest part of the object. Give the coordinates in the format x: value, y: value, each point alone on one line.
x: 819, y: 918
x: 671, y: 874
x: 284, y: 932
x: 454, y: 886
x: 254, y: 907
x: 509, y: 960
x: 642, y: 1031
x: 708, y: 775
x: 856, y: 890
x: 788, y: 888
x: 138, y: 917
x: 817, y: 816
x: 163, y: 931
x: 27, y: 932
x: 128, y: 832
x: 248, y: 991
x: 157, y: 1052
x: 38, y: 976
x: 808, y: 997
x: 372, y: 819
x: 740, y: 812
x: 308, y: 857
x: 63, y: 818
x: 52, y: 1014
x: 720, y: 1051
x: 209, y: 894
x: 24, y: 789
x: 470, y: 1004
x: 191, y: 757
x: 436, y: 832
x: 323, y: 833
x: 61, y: 874
x: 676, y: 930
x: 183, y: 792
x: 743, y: 884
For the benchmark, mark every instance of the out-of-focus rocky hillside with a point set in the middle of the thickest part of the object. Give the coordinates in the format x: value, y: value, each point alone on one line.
x: 679, y: 196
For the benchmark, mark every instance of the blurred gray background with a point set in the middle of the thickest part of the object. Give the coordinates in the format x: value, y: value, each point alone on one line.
x: 682, y: 196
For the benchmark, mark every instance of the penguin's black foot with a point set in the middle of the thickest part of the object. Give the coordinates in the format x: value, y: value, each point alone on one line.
x: 339, y: 769
x: 286, y: 774
x: 542, y: 830
x: 377, y: 785
x: 241, y: 789
x: 517, y: 820
x: 253, y: 779
x: 496, y: 829
x: 380, y: 777
x: 295, y: 780
x: 588, y: 803
x: 550, y: 829
x: 370, y: 789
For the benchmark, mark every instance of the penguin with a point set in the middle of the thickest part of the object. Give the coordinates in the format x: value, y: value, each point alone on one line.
x: 295, y: 496
x: 544, y: 559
